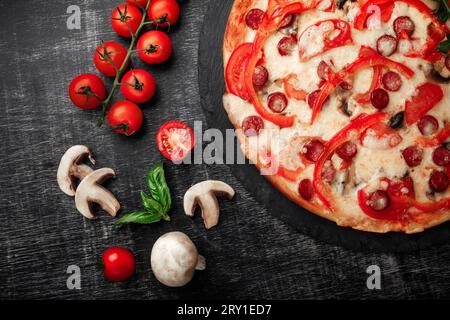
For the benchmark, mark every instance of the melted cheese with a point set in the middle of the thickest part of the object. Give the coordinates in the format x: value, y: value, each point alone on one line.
x: 369, y: 165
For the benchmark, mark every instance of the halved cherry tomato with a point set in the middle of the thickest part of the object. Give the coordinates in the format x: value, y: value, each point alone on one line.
x: 357, y: 125
x: 138, y: 85
x: 125, y: 20
x: 109, y: 57
x: 87, y: 91
x: 119, y: 264
x: 235, y: 70
x: 154, y: 47
x: 163, y: 13
x: 427, y: 96
x: 336, y: 33
x: 125, y: 117
x: 175, y: 139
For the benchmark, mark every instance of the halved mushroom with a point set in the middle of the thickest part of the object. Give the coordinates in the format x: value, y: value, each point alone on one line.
x: 204, y: 194
x: 90, y: 191
x: 69, y: 168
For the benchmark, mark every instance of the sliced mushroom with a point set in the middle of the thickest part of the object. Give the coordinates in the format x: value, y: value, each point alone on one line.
x: 204, y: 194
x: 69, y: 169
x: 90, y: 191
x: 440, y: 73
x: 175, y: 258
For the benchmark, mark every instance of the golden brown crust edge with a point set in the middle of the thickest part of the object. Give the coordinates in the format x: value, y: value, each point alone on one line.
x: 422, y: 221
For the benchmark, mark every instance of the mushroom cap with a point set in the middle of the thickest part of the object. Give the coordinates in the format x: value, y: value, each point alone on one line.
x: 69, y: 169
x: 174, y: 259
x: 205, y: 195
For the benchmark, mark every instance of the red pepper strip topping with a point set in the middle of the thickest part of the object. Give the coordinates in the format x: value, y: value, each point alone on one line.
x: 361, y: 18
x: 427, y: 96
x: 364, y: 98
x: 386, y: 9
x: 325, y: 91
x: 343, y: 38
x: 359, y: 64
x: 437, y: 139
x: 432, y: 206
x: 400, y: 202
x: 380, y: 61
x: 291, y: 175
x: 270, y: 23
x: 359, y: 125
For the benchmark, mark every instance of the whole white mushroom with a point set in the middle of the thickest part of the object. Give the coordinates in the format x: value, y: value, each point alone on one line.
x: 175, y: 258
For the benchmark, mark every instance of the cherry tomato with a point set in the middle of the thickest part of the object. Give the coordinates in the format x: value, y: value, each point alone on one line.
x: 87, y: 91
x: 175, y: 140
x: 119, y: 264
x: 138, y: 86
x: 164, y: 12
x: 125, y: 20
x: 154, y: 47
x: 109, y: 56
x: 125, y: 117
x: 138, y: 3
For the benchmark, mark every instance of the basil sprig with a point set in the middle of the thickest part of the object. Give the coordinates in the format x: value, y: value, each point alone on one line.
x: 156, y: 204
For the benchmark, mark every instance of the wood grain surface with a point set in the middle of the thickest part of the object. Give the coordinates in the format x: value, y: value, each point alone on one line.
x: 250, y: 254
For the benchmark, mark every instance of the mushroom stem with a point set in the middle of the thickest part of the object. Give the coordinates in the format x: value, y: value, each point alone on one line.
x: 90, y: 191
x: 81, y: 171
x: 201, y: 263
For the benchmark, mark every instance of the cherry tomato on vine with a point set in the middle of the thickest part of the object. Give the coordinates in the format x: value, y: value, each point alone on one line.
x: 119, y: 264
x: 87, y: 91
x: 109, y: 54
x: 164, y: 12
x: 125, y: 117
x: 125, y: 20
x: 175, y: 139
x: 138, y: 3
x: 154, y: 47
x: 138, y: 86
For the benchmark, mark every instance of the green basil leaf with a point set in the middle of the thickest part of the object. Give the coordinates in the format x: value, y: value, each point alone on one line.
x: 150, y: 204
x: 444, y: 46
x: 443, y: 10
x: 158, y: 188
x: 140, y: 217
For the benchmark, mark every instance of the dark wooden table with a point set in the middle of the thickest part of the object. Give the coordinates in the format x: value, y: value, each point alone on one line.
x: 250, y: 254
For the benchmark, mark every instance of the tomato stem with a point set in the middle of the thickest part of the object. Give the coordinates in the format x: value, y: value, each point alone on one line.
x: 119, y: 71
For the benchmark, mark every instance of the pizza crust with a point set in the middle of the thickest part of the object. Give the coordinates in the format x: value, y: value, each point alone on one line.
x: 237, y: 33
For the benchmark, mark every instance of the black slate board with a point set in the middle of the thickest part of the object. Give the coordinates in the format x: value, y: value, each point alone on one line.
x: 211, y: 90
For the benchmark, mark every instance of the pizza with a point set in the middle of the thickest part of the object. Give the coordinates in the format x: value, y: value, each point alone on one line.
x: 344, y: 106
